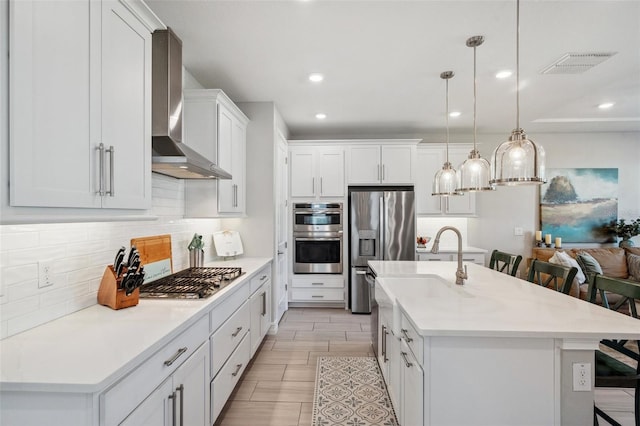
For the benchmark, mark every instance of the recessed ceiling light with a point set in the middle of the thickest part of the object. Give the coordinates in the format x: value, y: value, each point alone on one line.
x: 316, y: 77
x: 504, y: 74
x: 454, y: 114
x: 605, y: 105
x: 321, y: 116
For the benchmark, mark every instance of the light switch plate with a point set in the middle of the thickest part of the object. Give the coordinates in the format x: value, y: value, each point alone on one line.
x: 518, y: 231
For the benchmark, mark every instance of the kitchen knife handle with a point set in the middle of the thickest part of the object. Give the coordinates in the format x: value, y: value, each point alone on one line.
x: 172, y: 397
x: 238, y: 367
x: 112, y: 152
x: 100, y: 149
x: 181, y: 390
x: 175, y: 356
x: 238, y: 330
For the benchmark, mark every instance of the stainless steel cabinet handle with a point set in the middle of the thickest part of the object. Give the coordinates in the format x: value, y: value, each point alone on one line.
x: 238, y: 330
x: 384, y: 343
x: 406, y: 336
x: 317, y: 283
x: 313, y: 186
x: 100, y: 149
x: 112, y: 153
x: 175, y: 357
x: 378, y: 171
x: 238, y: 367
x: 406, y: 361
x: 172, y: 397
x: 321, y: 191
x: 262, y: 278
x: 264, y: 303
x: 181, y: 390
x: 383, y: 172
x: 317, y: 297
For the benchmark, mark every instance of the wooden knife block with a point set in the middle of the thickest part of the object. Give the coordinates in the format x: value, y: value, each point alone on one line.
x: 110, y: 295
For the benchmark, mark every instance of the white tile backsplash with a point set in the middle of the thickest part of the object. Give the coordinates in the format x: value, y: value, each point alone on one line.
x: 429, y: 226
x: 80, y: 252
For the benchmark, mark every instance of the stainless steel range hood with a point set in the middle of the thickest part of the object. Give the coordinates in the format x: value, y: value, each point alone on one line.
x: 171, y: 157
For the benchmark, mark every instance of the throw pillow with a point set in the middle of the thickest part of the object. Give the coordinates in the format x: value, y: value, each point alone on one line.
x: 566, y: 260
x: 588, y: 263
x: 633, y: 261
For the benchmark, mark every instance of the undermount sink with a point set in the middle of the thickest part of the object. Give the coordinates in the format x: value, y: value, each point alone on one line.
x: 390, y: 288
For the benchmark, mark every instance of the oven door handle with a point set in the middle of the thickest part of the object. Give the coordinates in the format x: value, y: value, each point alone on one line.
x: 319, y: 239
x: 317, y: 212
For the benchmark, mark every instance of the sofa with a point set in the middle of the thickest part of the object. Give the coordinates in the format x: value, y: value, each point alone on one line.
x: 615, y: 262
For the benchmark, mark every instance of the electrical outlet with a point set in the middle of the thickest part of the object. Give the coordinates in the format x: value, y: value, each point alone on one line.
x: 581, y: 377
x: 45, y: 274
x: 518, y: 231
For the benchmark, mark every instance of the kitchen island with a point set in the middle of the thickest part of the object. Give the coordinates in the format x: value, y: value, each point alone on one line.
x: 100, y: 366
x: 495, y: 351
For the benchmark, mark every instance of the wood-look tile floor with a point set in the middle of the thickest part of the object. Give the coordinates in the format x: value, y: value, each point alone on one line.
x: 277, y: 386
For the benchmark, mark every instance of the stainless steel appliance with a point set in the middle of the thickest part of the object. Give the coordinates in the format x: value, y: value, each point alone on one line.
x: 317, y: 238
x: 382, y: 225
x: 192, y: 283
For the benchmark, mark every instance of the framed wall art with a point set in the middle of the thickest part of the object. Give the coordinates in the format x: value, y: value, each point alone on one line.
x: 576, y: 204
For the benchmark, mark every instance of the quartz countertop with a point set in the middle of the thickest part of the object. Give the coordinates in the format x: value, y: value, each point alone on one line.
x: 89, y: 349
x: 493, y: 304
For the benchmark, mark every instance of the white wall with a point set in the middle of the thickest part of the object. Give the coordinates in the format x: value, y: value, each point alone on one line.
x: 499, y: 212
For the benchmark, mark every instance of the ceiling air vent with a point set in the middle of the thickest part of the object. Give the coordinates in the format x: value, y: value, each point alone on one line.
x: 576, y: 63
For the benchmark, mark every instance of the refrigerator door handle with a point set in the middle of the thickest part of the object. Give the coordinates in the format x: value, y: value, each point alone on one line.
x: 381, y: 230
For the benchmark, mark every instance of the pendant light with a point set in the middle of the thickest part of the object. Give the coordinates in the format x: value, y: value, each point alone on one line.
x: 446, y: 180
x: 519, y: 160
x: 475, y: 171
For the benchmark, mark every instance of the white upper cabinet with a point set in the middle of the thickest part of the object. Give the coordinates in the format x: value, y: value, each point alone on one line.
x: 317, y: 172
x: 80, y: 76
x: 215, y: 127
x: 431, y: 157
x: 381, y: 164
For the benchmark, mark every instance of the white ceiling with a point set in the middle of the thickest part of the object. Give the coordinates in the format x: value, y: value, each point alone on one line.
x: 382, y: 61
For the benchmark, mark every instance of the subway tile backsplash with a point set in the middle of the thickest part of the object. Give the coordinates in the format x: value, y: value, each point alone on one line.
x: 79, y: 253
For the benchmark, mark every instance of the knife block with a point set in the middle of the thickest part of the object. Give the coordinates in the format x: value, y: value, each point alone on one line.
x: 110, y: 295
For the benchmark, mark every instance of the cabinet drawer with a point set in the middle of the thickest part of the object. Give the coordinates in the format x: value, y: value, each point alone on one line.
x: 223, y: 384
x: 227, y: 337
x: 260, y: 278
x: 224, y: 310
x: 437, y: 257
x: 411, y: 337
x: 472, y: 257
x: 318, y: 295
x: 324, y: 282
x: 122, y: 398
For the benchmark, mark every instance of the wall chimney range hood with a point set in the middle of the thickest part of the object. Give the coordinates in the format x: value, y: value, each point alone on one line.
x: 171, y: 157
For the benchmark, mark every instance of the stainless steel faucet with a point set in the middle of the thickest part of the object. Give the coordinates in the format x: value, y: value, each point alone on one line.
x: 461, y: 274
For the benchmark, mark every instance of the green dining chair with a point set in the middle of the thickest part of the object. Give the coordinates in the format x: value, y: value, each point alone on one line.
x: 552, y: 275
x: 505, y: 262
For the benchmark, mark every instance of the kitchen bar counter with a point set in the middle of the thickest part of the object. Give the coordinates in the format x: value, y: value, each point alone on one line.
x: 88, y: 350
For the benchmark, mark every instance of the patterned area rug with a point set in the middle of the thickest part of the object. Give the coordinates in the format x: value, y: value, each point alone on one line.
x: 350, y: 391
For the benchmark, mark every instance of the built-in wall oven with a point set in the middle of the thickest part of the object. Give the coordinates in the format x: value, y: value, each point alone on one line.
x: 317, y: 238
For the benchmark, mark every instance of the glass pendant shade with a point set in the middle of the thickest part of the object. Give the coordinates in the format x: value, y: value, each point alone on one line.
x: 446, y: 179
x: 475, y: 172
x: 518, y: 161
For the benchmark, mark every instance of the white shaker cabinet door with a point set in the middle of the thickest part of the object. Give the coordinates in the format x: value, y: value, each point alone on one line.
x: 331, y: 172
x: 191, y: 384
x: 156, y: 410
x: 54, y: 161
x: 126, y: 116
x: 364, y: 165
x: 397, y: 164
x: 302, y: 172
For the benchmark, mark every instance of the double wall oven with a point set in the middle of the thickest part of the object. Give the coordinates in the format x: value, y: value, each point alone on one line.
x: 317, y: 238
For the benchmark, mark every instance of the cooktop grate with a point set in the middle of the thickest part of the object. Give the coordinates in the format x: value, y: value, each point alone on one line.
x: 192, y: 283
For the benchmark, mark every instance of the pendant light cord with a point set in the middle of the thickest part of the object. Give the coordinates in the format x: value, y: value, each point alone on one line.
x: 447, y: 113
x: 474, y: 98
x: 517, y: 64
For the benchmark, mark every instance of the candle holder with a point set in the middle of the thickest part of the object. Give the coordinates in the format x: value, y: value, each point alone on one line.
x: 548, y: 245
x: 538, y: 243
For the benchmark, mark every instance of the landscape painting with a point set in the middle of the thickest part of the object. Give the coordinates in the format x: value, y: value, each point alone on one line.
x: 576, y: 204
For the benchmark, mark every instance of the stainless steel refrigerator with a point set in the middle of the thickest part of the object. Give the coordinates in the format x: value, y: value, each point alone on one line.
x: 382, y: 223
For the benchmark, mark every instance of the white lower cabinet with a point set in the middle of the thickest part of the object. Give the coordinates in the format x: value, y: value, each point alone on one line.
x: 228, y: 376
x: 317, y: 288
x: 181, y: 400
x: 412, y: 379
x: 260, y: 302
x: 472, y: 257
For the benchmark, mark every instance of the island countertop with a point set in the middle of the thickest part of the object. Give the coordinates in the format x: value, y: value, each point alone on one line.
x: 492, y: 304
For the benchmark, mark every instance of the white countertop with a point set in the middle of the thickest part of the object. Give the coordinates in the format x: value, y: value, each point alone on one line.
x: 493, y: 304
x: 449, y: 249
x: 89, y: 349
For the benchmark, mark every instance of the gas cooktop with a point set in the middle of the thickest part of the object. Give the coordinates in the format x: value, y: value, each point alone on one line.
x: 192, y: 283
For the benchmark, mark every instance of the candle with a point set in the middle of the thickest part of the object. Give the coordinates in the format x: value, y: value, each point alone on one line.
x: 558, y: 242
x: 547, y: 239
x: 538, y: 235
